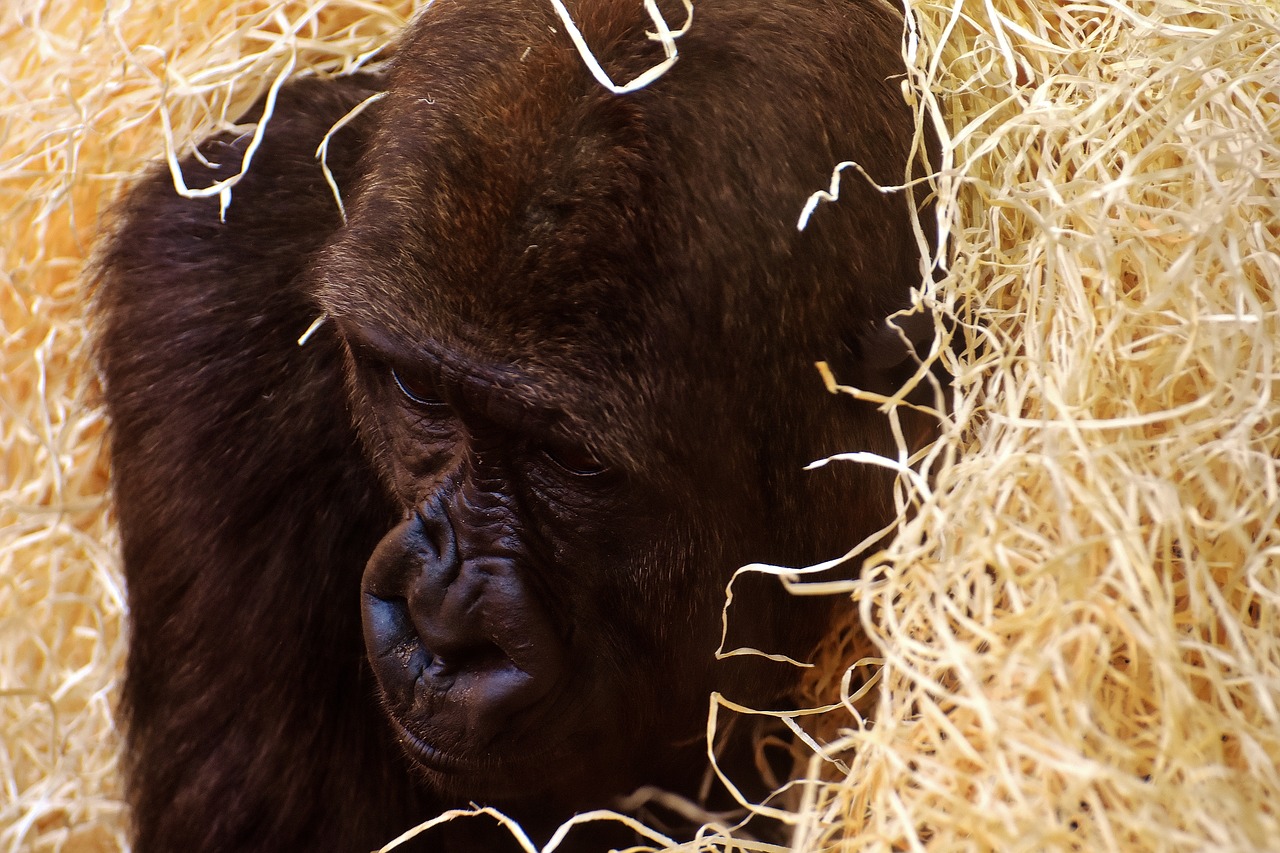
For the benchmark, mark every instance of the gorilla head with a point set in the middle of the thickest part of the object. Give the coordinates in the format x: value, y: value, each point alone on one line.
x: 565, y: 389
x: 581, y: 330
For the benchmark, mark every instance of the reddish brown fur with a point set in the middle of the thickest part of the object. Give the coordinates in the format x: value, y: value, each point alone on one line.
x: 626, y: 266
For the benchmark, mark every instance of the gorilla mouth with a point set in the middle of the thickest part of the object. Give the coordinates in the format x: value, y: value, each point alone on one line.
x: 511, y: 773
x: 465, y: 656
x: 426, y: 755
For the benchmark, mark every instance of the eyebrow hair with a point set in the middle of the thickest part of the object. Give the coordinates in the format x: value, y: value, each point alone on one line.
x: 543, y: 403
x: 500, y: 392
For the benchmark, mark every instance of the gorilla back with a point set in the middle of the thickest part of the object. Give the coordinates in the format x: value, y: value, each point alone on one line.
x: 470, y: 541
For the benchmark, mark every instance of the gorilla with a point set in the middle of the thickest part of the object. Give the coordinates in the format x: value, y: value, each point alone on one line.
x: 469, y: 542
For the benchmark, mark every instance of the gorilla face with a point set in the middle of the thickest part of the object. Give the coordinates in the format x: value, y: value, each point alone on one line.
x: 540, y: 305
x: 504, y: 616
x: 571, y: 357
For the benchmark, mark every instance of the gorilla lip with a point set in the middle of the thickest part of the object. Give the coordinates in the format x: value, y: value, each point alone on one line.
x: 430, y: 757
x: 433, y: 759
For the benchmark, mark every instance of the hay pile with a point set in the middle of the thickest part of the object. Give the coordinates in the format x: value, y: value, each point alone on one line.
x: 1077, y: 634
x: 88, y: 93
x: 1080, y: 628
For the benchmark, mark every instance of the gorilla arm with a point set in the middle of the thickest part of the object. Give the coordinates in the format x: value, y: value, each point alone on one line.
x: 246, y: 509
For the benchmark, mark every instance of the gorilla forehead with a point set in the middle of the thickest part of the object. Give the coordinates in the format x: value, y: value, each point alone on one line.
x: 516, y: 213
x: 517, y: 202
x: 505, y: 203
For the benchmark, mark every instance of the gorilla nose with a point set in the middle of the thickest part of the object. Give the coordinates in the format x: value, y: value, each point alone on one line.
x: 457, y: 646
x: 393, y: 626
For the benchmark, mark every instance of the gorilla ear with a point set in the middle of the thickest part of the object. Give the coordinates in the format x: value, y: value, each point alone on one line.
x: 886, y: 353
x: 900, y: 338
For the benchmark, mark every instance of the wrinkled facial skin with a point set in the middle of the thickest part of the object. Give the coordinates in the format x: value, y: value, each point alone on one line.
x: 510, y: 617
x: 470, y: 543
x: 483, y: 608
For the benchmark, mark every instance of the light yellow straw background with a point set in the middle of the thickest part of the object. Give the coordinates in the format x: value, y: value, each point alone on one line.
x: 1077, y: 631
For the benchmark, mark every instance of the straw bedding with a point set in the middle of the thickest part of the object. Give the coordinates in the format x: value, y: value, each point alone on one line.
x: 1072, y: 641
x: 1078, y: 627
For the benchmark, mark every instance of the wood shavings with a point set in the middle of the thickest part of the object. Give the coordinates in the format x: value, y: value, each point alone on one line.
x: 322, y: 154
x: 1071, y: 642
x: 1077, y: 622
x: 85, y: 102
x: 665, y: 35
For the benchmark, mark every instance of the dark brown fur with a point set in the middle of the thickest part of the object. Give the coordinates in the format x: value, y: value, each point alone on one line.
x: 620, y: 274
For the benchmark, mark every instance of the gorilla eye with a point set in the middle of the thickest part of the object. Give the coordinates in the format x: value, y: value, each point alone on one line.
x: 574, y: 459
x: 422, y: 393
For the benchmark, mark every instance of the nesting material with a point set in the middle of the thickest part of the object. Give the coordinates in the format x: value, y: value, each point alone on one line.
x: 89, y: 93
x: 1079, y: 626
x: 1074, y: 638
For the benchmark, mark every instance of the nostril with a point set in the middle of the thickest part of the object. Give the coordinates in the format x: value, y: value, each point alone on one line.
x: 395, y: 652
x: 391, y: 631
x: 476, y: 658
x: 387, y: 620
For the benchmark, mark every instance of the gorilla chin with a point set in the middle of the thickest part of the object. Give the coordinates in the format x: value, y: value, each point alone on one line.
x: 485, y: 517
x: 483, y: 690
